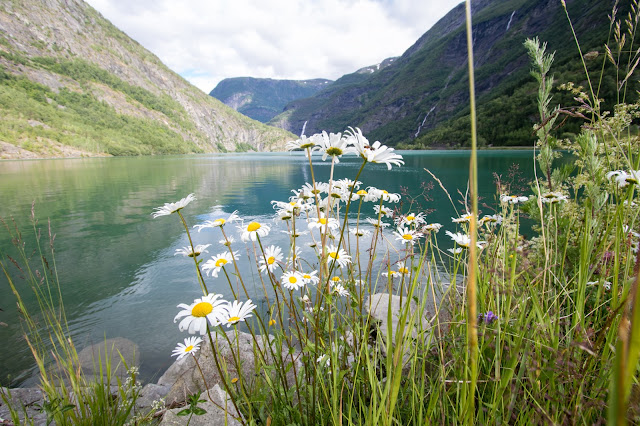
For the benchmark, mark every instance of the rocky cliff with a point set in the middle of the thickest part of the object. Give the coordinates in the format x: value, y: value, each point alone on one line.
x: 73, y: 84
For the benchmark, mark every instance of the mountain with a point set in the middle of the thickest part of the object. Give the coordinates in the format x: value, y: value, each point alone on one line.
x: 421, y: 99
x: 72, y: 84
x: 264, y: 98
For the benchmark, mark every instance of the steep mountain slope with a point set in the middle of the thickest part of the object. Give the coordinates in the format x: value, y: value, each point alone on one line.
x: 73, y: 84
x: 421, y: 99
x: 264, y: 98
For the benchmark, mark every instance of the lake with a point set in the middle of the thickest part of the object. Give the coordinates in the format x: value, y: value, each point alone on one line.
x: 116, y: 264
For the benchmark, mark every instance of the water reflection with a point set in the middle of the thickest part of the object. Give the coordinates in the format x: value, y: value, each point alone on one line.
x: 116, y: 264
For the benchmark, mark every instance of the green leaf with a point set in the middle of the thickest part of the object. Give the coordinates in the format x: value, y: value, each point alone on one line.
x: 199, y: 411
x: 184, y: 412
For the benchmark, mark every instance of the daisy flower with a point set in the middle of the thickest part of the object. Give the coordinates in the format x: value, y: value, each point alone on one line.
x: 407, y: 235
x: 491, y: 219
x: 512, y: 199
x: 376, y: 194
x: 376, y: 223
x: 294, y: 255
x: 311, y: 277
x: 339, y: 288
x: 252, y: 231
x: 359, y: 194
x: 331, y: 145
x: 376, y: 153
x: 410, y: 219
x: 391, y: 273
x: 190, y: 345
x: 269, y: 262
x: 170, y: 208
x: 302, y: 143
x: 197, y: 251
x: 338, y: 255
x: 228, y: 241
x: 623, y: 178
x: 237, y: 311
x: 347, y: 184
x: 464, y: 240
x: 359, y: 232
x: 217, y: 262
x: 383, y: 211
x: 456, y: 250
x: 220, y: 222
x: 292, y: 280
x: 201, y: 310
x: 553, y: 197
x: 432, y: 227
x: 464, y: 218
x: 322, y: 223
x: 402, y: 268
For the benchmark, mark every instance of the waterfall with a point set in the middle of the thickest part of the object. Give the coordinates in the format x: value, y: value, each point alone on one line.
x: 509, y: 24
x: 424, y: 120
x: 304, y: 126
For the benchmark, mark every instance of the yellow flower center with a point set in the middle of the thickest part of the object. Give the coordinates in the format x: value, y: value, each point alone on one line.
x: 334, y: 254
x: 410, y: 218
x: 306, y: 276
x: 322, y: 220
x: 407, y: 237
x: 333, y: 151
x: 188, y: 348
x: 220, y: 221
x: 293, y: 279
x: 335, y: 279
x: 271, y: 260
x: 221, y: 262
x: 202, y: 309
x: 403, y: 270
x: 292, y: 203
x: 253, y: 226
x: 233, y: 319
x: 234, y: 380
x: 362, y: 192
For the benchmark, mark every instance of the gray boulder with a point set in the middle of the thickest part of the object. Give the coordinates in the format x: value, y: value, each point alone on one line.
x: 113, y: 351
x: 219, y: 411
x: 24, y: 401
x: 237, y: 360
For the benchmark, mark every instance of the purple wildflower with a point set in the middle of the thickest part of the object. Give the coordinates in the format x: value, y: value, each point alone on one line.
x: 488, y: 318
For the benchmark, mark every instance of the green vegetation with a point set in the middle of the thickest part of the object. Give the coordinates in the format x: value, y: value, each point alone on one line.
x: 498, y: 329
x: 79, y: 120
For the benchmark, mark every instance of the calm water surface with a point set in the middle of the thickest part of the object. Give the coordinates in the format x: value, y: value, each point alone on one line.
x: 116, y: 264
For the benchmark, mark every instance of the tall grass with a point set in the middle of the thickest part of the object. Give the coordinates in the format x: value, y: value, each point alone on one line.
x: 499, y: 328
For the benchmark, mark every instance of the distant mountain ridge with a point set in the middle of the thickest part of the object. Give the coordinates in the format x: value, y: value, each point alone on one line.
x: 421, y: 99
x: 264, y: 98
x: 72, y: 84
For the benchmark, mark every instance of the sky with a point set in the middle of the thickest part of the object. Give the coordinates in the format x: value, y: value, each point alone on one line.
x: 206, y: 41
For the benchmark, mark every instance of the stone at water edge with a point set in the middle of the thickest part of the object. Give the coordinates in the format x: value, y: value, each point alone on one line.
x: 184, y: 378
x: 24, y: 397
x: 111, y: 350
x: 379, y: 304
x: 214, y: 414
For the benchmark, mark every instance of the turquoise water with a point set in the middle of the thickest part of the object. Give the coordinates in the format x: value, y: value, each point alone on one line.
x: 116, y: 263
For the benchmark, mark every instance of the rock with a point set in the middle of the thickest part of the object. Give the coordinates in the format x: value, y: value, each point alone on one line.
x: 434, y: 316
x: 113, y: 350
x: 150, y: 393
x: 23, y: 397
x: 184, y: 377
x: 215, y: 415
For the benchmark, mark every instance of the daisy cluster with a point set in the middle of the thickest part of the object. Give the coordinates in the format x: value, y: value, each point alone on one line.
x: 206, y: 311
x: 350, y: 142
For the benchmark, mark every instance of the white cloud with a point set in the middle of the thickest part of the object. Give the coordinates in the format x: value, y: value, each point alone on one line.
x: 208, y: 40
